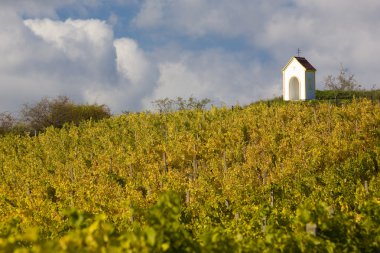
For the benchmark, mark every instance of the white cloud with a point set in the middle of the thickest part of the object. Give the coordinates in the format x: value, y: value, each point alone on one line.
x: 78, y: 39
x: 78, y: 58
x: 214, y: 74
x: 137, y: 77
x: 131, y: 61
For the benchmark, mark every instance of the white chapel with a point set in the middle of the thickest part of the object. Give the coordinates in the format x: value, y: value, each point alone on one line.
x: 298, y: 80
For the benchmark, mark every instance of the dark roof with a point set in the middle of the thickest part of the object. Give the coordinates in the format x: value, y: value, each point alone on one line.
x: 305, y: 63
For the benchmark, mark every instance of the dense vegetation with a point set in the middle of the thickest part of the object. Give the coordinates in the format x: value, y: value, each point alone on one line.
x: 291, y: 177
x: 47, y: 112
x: 347, y: 94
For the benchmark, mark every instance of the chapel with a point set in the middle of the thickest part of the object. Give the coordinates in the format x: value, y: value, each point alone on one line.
x: 298, y: 79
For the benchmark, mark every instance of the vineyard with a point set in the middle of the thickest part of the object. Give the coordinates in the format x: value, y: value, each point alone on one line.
x: 269, y: 177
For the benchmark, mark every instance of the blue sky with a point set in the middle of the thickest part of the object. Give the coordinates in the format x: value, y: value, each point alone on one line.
x: 127, y: 53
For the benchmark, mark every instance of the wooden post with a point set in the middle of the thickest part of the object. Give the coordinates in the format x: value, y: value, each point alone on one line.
x: 187, y: 197
x: 311, y: 228
x: 110, y: 165
x: 264, y: 177
x: 332, y: 211
x: 130, y: 170
x: 366, y: 186
x: 72, y: 175
x: 227, y: 204
x: 264, y: 225
x: 244, y: 150
x: 166, y: 132
x: 195, y: 163
x: 29, y: 191
x: 271, y: 198
x: 165, y: 162
x: 224, y: 162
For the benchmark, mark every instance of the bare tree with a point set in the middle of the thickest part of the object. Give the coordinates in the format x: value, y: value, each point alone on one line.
x: 344, y: 81
x: 164, y: 105
x: 7, y: 122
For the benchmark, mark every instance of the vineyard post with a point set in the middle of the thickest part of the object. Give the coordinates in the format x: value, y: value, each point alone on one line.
x: 315, y: 115
x: 130, y: 170
x: 187, y: 197
x: 72, y: 185
x: 329, y: 120
x: 29, y: 190
x: 195, y: 163
x: 71, y: 175
x: 244, y: 151
x: 271, y: 198
x: 311, y: 228
x: 166, y: 132
x: 2, y: 172
x: 165, y: 162
x: 264, y: 177
x: 224, y: 162
x: 131, y: 219
x: 366, y: 186
x: 226, y: 203
x: 264, y: 226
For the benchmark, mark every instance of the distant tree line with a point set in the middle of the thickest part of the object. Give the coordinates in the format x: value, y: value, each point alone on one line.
x: 51, y: 112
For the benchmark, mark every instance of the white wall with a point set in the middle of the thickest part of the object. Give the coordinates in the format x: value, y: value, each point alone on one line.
x: 294, y: 68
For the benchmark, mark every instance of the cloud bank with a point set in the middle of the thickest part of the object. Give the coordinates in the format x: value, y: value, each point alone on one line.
x: 230, y: 51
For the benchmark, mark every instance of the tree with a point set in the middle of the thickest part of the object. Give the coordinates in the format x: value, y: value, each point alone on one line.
x: 10, y: 124
x: 6, y: 123
x: 56, y: 112
x: 345, y: 81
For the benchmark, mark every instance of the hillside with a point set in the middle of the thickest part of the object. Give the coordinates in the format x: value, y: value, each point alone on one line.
x: 271, y: 176
x: 347, y: 94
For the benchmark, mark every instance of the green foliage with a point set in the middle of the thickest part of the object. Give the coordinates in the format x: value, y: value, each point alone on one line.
x: 349, y: 94
x: 56, y: 112
x: 270, y: 177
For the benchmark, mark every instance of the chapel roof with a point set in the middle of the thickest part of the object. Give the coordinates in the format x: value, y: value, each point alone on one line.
x: 305, y: 63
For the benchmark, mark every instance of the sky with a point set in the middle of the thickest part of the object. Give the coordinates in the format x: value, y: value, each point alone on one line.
x: 128, y: 53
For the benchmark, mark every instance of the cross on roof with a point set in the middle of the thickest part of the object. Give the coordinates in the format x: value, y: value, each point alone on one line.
x: 299, y: 52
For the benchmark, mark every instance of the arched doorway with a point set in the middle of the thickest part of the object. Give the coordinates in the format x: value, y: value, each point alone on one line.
x: 294, y: 88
